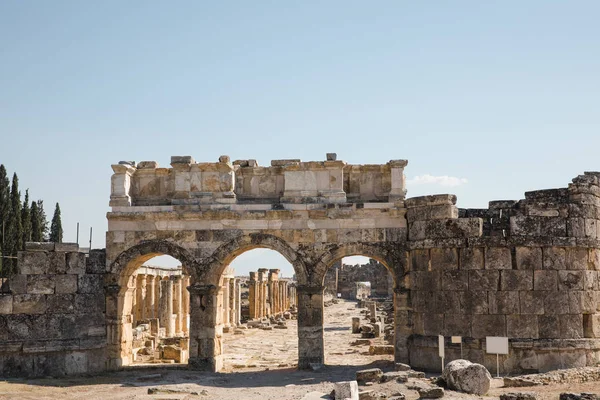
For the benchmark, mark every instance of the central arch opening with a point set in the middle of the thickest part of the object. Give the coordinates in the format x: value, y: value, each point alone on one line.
x: 264, y: 333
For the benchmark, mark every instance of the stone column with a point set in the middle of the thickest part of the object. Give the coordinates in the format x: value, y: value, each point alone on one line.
x: 398, y: 189
x: 232, y: 302
x: 177, y: 304
x: 402, y: 326
x: 252, y: 296
x: 166, y: 307
x: 225, y: 293
x: 262, y: 278
x: 142, y: 296
x: 120, y: 184
x: 205, y: 334
x: 157, y: 292
x: 150, y: 297
x: 238, y: 297
x: 311, y: 348
x: 186, y: 306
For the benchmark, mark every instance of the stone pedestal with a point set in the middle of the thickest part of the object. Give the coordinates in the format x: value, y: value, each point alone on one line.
x: 402, y: 328
x: 206, y: 348
x: 311, y: 348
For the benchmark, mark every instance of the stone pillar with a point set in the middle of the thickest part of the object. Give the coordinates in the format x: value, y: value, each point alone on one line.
x: 138, y: 304
x: 232, y: 302
x: 205, y: 334
x: 238, y: 297
x: 186, y: 306
x: 225, y: 294
x: 120, y: 183
x: 402, y: 325
x: 262, y: 305
x: 311, y: 348
x: 150, y: 297
x: 398, y: 188
x: 273, y: 290
x: 252, y: 296
x: 177, y: 304
x: 166, y: 307
x: 157, y: 292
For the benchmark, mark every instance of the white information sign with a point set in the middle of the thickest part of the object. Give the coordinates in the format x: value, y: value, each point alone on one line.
x: 456, y: 339
x: 441, y: 345
x: 496, y: 345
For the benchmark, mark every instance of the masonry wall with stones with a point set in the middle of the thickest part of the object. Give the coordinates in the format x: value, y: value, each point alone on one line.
x: 343, y: 279
x: 52, y: 318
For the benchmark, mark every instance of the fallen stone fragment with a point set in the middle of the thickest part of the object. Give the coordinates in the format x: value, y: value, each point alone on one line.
x: 381, y: 349
x: 431, y: 392
x: 416, y: 374
x: 402, y: 367
x: 519, y: 396
x: 396, y: 397
x: 369, y: 375
x: 372, y: 395
x: 520, y: 382
x: 150, y: 377
x: 361, y: 342
x: 315, y: 396
x: 398, y: 376
x: 468, y: 377
x: 157, y: 390
x: 346, y: 390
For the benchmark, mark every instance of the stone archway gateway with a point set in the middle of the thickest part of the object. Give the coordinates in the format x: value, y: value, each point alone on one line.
x: 205, y: 214
x: 527, y: 269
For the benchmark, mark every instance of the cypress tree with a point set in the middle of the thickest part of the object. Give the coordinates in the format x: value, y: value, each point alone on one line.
x: 56, y: 231
x: 14, y: 232
x: 4, y: 203
x: 26, y: 219
x: 42, y: 221
x: 37, y: 233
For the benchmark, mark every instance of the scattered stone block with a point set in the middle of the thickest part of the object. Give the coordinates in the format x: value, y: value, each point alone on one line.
x: 369, y: 375
x: 402, y: 367
x: 431, y: 392
x: 519, y: 396
x: 468, y: 377
x: 381, y: 349
x: 582, y: 396
x: 396, y: 375
x: 372, y: 395
x: 346, y: 390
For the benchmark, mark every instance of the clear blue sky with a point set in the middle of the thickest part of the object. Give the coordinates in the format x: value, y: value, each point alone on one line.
x: 503, y: 96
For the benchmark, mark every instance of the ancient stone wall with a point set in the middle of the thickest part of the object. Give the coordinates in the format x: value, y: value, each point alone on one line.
x: 529, y: 270
x: 52, y: 319
x: 342, y: 278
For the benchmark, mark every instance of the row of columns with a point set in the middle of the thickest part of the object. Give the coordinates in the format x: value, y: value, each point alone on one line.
x: 231, y: 301
x: 161, y: 294
x: 268, y: 295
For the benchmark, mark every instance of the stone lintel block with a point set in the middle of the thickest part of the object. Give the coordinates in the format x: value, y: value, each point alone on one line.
x: 424, y: 213
x: 502, y: 204
x: 489, y: 325
x: 33, y: 262
x: 522, y: 326
x: 511, y: 279
x: 484, y: 280
x: 556, y: 302
x: 455, y: 280
x: 182, y: 160
x: 65, y: 283
x: 498, y: 258
x: 504, y: 302
x: 39, y: 246
x: 545, y: 280
x: 65, y: 247
x: 445, y: 228
x: 430, y: 200
x: 570, y: 280
x: 532, y: 302
x: 6, y: 304
x: 40, y: 284
x: 444, y: 259
x: 471, y: 258
x: 554, y: 258
x: 29, y: 304
x: 571, y: 326
x: 528, y: 258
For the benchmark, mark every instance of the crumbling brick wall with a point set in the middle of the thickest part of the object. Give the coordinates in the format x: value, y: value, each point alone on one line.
x: 52, y: 320
x: 529, y: 270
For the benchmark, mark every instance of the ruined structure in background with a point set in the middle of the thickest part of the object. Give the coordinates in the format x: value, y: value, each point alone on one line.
x: 525, y: 269
x: 344, y: 279
x: 268, y: 295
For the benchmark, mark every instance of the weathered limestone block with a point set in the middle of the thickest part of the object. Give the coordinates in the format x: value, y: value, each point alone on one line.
x: 504, y: 302
x: 571, y: 326
x: 445, y: 228
x: 429, y: 212
x: 444, y: 259
x: 6, y: 304
x: 484, y: 280
x: 554, y: 258
x: 475, y: 302
x: 18, y: 284
x: 40, y: 284
x: 431, y: 200
x: 468, y: 377
x: 96, y: 262
x: 548, y: 326
x: 398, y: 375
x: 471, y: 258
x: 369, y: 375
x: 457, y: 325
x: 532, y: 302
x: 346, y: 390
x: 522, y: 326
x: 521, y: 225
x: 489, y: 325
x: 455, y: 280
x: 570, y: 280
x: 519, y: 396
x: 591, y: 325
x: 90, y: 284
x: 57, y: 262
x: 516, y: 280
x: 33, y: 262
x: 419, y: 260
x: 430, y: 392
x: 355, y: 325
x: 529, y: 258
x: 498, y: 258
x: 381, y: 349
x: 75, y: 263
x: 65, y: 284
x: 556, y: 302
x: 545, y: 280
x: 29, y: 304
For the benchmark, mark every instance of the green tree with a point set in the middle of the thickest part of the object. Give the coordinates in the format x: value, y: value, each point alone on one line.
x: 56, y: 231
x: 42, y: 221
x: 26, y: 219
x: 37, y: 234
x: 14, y: 231
x: 4, y: 207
